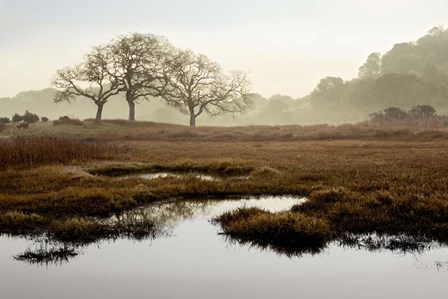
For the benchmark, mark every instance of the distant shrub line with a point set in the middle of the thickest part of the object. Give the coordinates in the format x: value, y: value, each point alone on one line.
x: 23, y: 121
x: 418, y: 116
x: 65, y: 120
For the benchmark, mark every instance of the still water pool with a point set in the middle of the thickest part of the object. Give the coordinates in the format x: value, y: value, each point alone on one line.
x: 191, y: 260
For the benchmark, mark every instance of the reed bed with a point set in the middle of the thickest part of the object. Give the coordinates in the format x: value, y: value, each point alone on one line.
x: 38, y: 150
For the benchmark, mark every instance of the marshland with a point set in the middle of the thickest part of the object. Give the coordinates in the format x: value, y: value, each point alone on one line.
x: 138, y: 166
x: 293, y: 204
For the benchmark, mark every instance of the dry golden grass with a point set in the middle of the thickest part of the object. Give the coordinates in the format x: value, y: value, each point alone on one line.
x: 113, y: 130
x: 283, y: 230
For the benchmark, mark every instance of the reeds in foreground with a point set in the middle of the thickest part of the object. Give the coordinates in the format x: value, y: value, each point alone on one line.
x: 38, y: 150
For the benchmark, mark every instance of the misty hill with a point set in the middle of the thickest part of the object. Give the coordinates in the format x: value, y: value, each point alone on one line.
x: 410, y: 74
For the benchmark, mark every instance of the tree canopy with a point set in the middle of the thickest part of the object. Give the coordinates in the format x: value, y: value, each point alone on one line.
x: 146, y: 66
x: 139, y: 61
x: 196, y: 85
x: 372, y: 67
x: 93, y: 79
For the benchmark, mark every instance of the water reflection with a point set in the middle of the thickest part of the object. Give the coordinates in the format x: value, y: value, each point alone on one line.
x: 195, y: 262
x: 148, y: 223
x: 157, y: 175
x: 43, y: 251
x: 441, y: 266
x: 395, y: 243
x: 169, y: 217
x: 279, y: 249
x: 170, y: 214
x: 166, y: 214
x: 178, y: 175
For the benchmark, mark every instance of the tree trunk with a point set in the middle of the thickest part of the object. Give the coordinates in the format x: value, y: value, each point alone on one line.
x: 131, y: 110
x: 99, y: 114
x: 192, y: 120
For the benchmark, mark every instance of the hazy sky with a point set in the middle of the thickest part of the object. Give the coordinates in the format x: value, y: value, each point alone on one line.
x: 286, y: 46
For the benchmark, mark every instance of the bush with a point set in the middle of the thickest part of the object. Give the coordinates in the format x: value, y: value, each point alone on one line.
x: 44, y: 119
x: 65, y: 120
x: 16, y: 118
x: 30, y: 118
x: 5, y: 120
x: 420, y: 115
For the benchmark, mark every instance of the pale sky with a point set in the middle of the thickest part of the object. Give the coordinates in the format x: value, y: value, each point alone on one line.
x: 286, y: 46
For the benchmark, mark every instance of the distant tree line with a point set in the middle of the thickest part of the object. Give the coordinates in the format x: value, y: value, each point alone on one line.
x: 410, y: 74
x: 145, y: 66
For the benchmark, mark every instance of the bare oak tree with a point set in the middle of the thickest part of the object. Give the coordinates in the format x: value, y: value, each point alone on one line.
x: 193, y: 84
x: 139, y: 61
x: 92, y: 79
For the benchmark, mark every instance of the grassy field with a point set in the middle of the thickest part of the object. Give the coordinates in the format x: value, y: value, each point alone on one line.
x: 360, y: 180
x: 114, y: 130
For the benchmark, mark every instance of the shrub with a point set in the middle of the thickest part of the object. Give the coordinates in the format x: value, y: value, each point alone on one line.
x: 5, y: 120
x: 16, y: 118
x: 44, y: 119
x: 30, y: 118
x: 420, y: 115
x: 65, y: 120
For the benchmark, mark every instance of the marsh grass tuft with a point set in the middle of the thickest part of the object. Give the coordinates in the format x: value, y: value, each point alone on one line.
x: 21, y: 223
x: 79, y: 230
x: 379, y: 212
x: 374, y: 221
x: 283, y: 230
x: 74, y: 230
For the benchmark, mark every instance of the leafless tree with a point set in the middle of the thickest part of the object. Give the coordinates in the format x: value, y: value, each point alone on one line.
x: 139, y: 61
x: 193, y: 84
x: 92, y: 79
